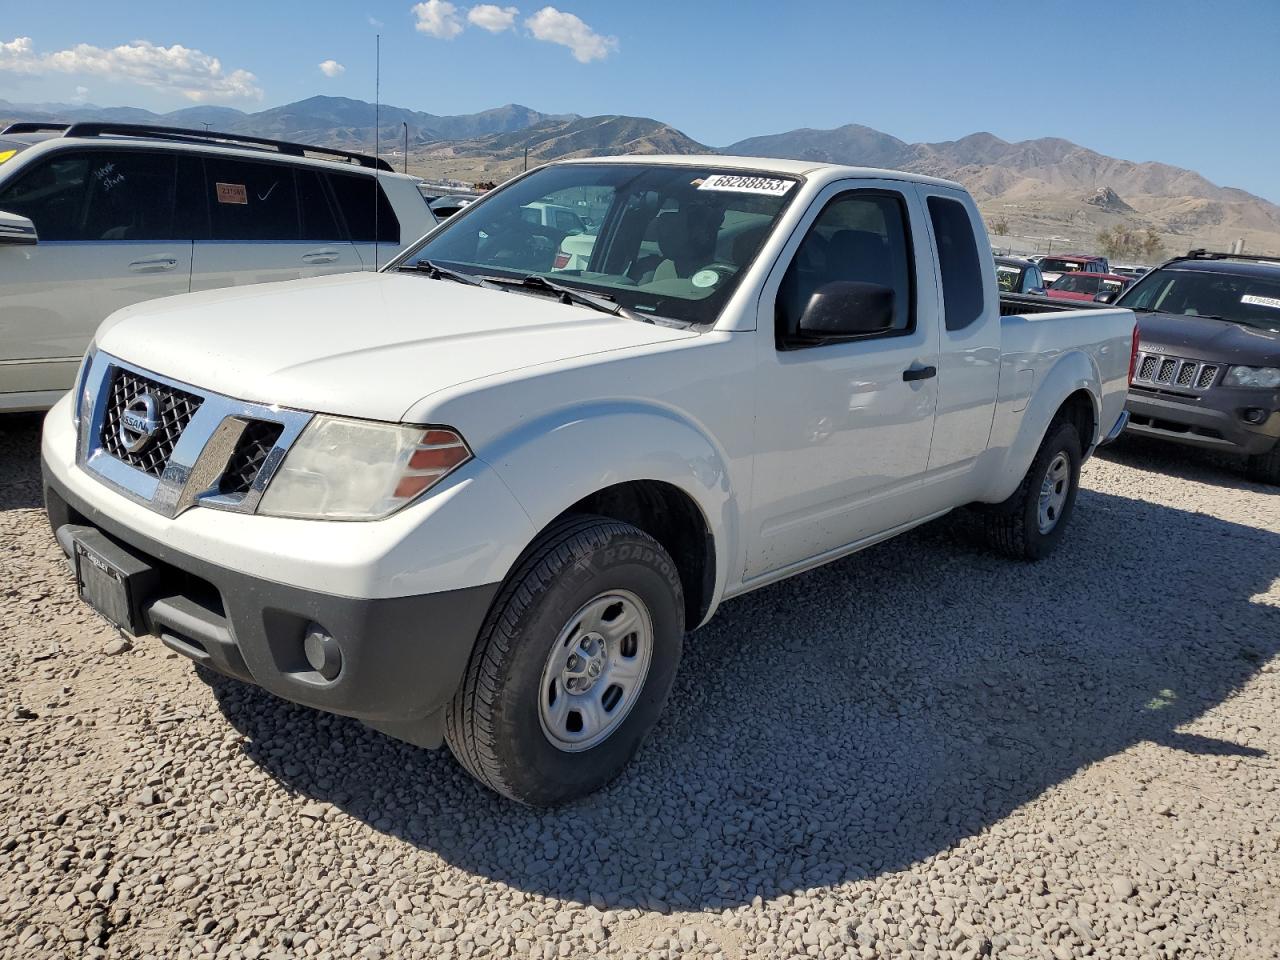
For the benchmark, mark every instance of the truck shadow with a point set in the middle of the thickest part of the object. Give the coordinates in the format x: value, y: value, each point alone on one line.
x: 853, y: 720
x: 1189, y: 463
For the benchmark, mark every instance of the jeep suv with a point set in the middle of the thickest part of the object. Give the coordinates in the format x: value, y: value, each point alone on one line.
x: 98, y: 216
x: 1208, y: 368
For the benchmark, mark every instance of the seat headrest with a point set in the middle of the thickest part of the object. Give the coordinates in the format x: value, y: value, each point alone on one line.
x: 688, y: 233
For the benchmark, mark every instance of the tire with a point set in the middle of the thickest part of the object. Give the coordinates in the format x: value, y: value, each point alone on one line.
x: 511, y: 722
x: 1265, y: 467
x: 1014, y: 526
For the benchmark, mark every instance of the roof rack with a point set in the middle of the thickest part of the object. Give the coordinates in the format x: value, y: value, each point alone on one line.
x: 34, y: 127
x: 94, y: 128
x: 1202, y: 254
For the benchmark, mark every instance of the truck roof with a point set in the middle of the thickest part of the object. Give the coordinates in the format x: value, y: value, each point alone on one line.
x: 795, y: 168
x: 1242, y: 268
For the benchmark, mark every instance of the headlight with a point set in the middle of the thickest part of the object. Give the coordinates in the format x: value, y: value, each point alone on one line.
x: 80, y: 398
x: 1265, y: 378
x: 342, y: 469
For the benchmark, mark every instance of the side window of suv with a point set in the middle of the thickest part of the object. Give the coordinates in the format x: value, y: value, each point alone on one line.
x: 861, y: 235
x: 98, y: 195
x: 252, y: 201
x: 356, y: 196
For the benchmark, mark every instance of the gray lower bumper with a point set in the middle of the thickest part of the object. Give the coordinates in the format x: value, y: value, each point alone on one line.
x: 401, y: 658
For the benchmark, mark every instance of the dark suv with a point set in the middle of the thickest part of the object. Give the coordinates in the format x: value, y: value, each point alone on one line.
x: 1208, y: 366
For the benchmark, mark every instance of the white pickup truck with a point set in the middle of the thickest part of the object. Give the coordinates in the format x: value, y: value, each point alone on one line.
x: 482, y: 495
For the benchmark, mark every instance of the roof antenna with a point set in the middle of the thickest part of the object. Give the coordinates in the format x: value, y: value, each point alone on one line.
x: 377, y: 122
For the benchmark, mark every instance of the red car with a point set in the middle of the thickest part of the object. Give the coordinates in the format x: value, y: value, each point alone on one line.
x: 1088, y: 286
x: 1054, y: 267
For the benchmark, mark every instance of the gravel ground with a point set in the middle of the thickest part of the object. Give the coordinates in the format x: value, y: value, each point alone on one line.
x: 921, y: 751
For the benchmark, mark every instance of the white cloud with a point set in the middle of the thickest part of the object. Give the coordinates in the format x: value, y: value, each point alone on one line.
x: 332, y: 68
x: 82, y: 94
x: 556, y: 26
x: 375, y: 22
x: 437, y: 18
x: 194, y: 74
x: 491, y: 17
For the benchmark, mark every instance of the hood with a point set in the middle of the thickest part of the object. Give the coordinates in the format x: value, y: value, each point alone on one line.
x: 1215, y: 341
x: 361, y: 344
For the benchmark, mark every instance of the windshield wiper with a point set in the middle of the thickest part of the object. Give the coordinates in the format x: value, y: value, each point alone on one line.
x: 444, y: 273
x: 596, y: 301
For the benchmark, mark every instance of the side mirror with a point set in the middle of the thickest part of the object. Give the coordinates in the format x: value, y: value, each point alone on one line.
x: 1106, y: 296
x: 16, y: 230
x: 847, y: 308
x: 1038, y: 291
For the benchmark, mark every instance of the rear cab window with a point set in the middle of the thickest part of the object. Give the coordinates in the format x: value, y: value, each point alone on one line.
x: 962, y: 274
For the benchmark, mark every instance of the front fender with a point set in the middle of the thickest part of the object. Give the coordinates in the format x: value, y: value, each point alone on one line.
x: 552, y: 462
x: 1018, y: 435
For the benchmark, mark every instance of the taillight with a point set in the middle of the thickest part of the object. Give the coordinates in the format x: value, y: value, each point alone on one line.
x: 1133, y: 354
x: 562, y: 261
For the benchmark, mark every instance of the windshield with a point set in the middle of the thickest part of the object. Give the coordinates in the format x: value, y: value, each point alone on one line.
x: 1077, y: 283
x: 1252, y: 301
x: 1053, y: 265
x: 662, y: 240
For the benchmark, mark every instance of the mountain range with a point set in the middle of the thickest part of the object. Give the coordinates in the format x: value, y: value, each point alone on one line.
x: 1031, y: 189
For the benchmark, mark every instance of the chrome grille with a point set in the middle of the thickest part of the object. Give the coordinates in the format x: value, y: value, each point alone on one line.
x: 250, y: 453
x: 201, y: 449
x: 174, y: 410
x: 1174, y: 373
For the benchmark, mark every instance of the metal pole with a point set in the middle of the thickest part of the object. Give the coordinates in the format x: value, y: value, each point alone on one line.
x: 406, y: 145
x: 526, y: 158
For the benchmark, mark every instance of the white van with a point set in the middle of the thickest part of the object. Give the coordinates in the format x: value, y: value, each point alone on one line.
x: 98, y: 216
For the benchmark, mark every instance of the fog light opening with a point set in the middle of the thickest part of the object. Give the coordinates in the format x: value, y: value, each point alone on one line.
x: 1253, y: 415
x: 322, y: 652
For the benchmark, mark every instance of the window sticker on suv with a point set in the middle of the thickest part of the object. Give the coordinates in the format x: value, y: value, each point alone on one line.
x: 1257, y: 301
x: 233, y: 193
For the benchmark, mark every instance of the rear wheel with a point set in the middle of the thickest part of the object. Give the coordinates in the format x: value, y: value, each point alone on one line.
x: 573, y: 664
x: 1266, y: 466
x: 1029, y: 525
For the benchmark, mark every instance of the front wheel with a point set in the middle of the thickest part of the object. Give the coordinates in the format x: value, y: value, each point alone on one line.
x: 1265, y: 467
x: 573, y: 664
x: 1029, y: 525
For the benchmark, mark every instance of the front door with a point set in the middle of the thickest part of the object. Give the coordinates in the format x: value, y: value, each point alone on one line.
x: 105, y: 223
x: 843, y: 429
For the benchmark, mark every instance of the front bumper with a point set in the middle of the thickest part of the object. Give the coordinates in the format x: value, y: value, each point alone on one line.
x: 401, y: 657
x: 1213, y: 422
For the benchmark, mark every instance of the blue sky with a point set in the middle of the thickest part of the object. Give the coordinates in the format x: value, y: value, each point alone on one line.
x: 1196, y: 84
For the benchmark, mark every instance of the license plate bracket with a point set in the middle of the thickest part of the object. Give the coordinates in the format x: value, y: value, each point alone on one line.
x: 111, y: 580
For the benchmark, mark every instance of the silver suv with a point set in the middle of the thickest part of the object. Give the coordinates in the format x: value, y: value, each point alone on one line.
x: 98, y: 216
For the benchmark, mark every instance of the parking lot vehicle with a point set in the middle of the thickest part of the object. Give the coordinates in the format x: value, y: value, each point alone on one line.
x: 103, y: 215
x: 1015, y: 275
x: 1208, y: 372
x: 488, y: 512
x: 1054, y: 267
x: 1129, y: 270
x: 444, y: 207
x: 1089, y: 286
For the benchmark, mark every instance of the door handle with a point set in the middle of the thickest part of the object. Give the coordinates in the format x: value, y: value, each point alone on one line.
x: 154, y: 265
x: 321, y: 256
x: 919, y: 373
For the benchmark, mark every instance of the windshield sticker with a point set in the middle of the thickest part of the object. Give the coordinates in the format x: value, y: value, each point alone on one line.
x: 734, y: 183
x: 705, y: 278
x: 6, y: 154
x: 232, y: 193
x: 1255, y: 300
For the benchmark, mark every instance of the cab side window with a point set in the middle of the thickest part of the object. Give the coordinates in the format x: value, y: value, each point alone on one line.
x: 859, y: 236
x: 962, y: 274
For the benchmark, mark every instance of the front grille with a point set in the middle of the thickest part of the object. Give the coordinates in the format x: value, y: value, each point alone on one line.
x: 174, y: 410
x: 255, y: 444
x: 1157, y: 370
